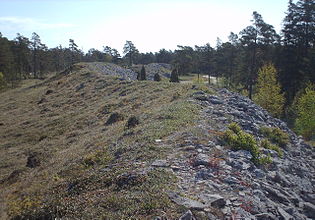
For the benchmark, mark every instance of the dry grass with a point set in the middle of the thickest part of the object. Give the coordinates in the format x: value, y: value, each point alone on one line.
x: 62, y: 121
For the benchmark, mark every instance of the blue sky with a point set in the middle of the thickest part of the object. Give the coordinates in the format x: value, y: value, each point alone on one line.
x: 149, y: 24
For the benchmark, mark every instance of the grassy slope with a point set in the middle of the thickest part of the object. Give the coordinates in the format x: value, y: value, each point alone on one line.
x: 81, y: 159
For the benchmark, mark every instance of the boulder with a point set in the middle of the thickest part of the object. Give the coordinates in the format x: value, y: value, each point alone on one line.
x: 187, y: 216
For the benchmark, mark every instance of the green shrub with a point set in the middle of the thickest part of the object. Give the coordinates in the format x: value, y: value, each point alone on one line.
x: 237, y: 139
x: 240, y: 140
x: 174, y: 76
x: 305, y: 122
x: 275, y: 135
x: 265, y: 160
x: 235, y: 127
x: 142, y: 75
x: 268, y: 145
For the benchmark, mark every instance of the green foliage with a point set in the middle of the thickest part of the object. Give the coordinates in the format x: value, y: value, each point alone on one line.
x: 275, y: 135
x: 157, y: 77
x: 269, y: 94
x: 130, y: 52
x: 174, y: 76
x: 2, y: 81
x: 142, y: 75
x: 305, y: 122
x: 240, y: 140
x: 265, y: 160
x: 237, y: 139
x: 268, y: 145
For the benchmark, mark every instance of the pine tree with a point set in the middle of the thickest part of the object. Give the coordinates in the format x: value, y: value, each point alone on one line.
x: 269, y: 94
x: 157, y: 77
x: 130, y: 52
x: 297, y: 56
x: 305, y: 122
x: 73, y: 47
x: 22, y: 55
x: 7, y: 60
x: 256, y: 39
x: 142, y: 74
x: 174, y: 76
x: 36, y: 45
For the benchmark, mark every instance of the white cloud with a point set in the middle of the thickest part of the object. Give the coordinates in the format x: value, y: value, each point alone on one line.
x: 20, y: 23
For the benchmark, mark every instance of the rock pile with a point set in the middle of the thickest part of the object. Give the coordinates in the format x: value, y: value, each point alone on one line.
x: 223, y: 184
x: 113, y: 70
x: 163, y: 69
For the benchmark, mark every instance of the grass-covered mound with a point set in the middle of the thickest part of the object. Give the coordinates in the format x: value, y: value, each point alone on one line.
x: 83, y: 166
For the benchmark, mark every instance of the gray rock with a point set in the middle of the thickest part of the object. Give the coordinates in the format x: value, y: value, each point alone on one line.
x: 199, y: 93
x: 204, y: 174
x: 231, y: 180
x: 260, y: 195
x: 284, y: 214
x: 187, y: 216
x: 202, y: 159
x: 219, y: 203
x: 272, y: 153
x: 309, y: 210
x: 240, y: 165
x: 279, y: 178
x: 225, y: 91
x: 186, y: 202
x: 265, y: 216
x: 160, y: 163
x: 211, y: 144
x: 275, y: 195
x: 259, y: 173
x: 202, y: 98
x: 309, y: 197
x: 219, y: 113
x: 290, y: 210
x: 241, y: 154
x: 296, y: 153
x: 214, y: 100
x: 214, y: 200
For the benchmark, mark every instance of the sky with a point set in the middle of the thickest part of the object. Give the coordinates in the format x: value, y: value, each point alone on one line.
x: 150, y: 24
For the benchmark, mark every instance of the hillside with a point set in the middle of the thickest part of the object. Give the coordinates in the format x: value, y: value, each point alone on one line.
x: 87, y: 144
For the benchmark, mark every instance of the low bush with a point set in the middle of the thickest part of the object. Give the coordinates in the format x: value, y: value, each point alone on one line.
x: 240, y: 140
x: 237, y: 139
x: 268, y: 145
x: 275, y: 135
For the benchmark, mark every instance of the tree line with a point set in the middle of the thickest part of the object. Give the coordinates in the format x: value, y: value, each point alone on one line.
x: 237, y: 61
